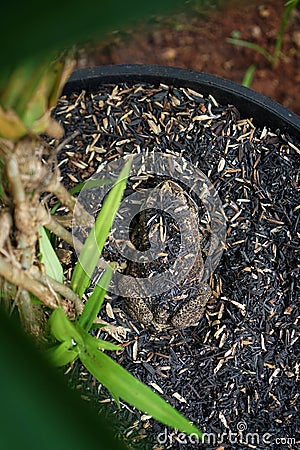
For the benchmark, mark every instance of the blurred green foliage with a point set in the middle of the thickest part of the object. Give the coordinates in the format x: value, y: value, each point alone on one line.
x: 34, y: 28
x: 38, y: 411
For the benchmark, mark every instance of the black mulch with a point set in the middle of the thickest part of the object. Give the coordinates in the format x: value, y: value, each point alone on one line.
x: 238, y: 370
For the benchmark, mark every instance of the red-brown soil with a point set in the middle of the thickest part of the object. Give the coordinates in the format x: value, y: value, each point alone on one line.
x: 196, y: 39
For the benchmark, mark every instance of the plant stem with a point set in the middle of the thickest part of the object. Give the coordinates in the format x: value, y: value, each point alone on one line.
x: 59, y: 231
x: 286, y: 15
x: 7, y: 294
x: 30, y: 315
x: 65, y: 292
x: 248, y: 77
x: 62, y: 233
x: 13, y: 175
x: 59, y: 288
x: 82, y: 216
x: 5, y: 226
x: 20, y: 278
x: 274, y: 57
x: 257, y: 48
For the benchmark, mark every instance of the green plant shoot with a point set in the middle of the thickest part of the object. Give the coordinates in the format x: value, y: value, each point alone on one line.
x: 95, y: 242
x: 272, y: 58
x: 95, y: 301
x: 75, y: 342
x: 49, y: 258
x: 78, y: 188
x: 248, y: 77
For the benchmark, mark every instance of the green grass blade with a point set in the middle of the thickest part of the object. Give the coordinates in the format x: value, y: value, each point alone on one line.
x: 95, y: 242
x: 20, y: 81
x: 62, y: 354
x: 124, y: 385
x: 105, y: 345
x: 96, y: 343
x: 95, y: 301
x: 89, y: 185
x: 62, y: 329
x: 78, y: 188
x: 247, y: 80
x: 70, y: 334
x: 289, y: 6
x: 255, y: 47
x: 49, y: 258
x: 96, y: 326
x: 39, y: 411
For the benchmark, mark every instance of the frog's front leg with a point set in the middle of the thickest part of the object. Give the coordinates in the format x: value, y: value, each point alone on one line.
x: 131, y: 289
x: 190, y: 313
x: 138, y: 310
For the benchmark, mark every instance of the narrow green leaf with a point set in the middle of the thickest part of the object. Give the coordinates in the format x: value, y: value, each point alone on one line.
x: 89, y: 185
x: 95, y: 301
x: 26, y: 105
x: 20, y: 82
x: 62, y: 354
x: 96, y: 343
x: 257, y: 48
x: 62, y: 328
x: 124, y: 385
x: 78, y: 188
x: 49, y: 258
x: 55, y: 208
x: 288, y: 8
x: 35, y: 300
x: 96, y: 326
x: 247, y: 80
x: 291, y: 3
x: 116, y: 399
x: 104, y: 345
x: 38, y: 410
x: 95, y: 242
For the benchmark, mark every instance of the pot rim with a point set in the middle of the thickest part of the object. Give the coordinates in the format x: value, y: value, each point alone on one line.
x: 263, y: 110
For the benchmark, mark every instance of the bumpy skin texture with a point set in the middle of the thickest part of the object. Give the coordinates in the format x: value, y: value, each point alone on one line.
x: 194, y: 295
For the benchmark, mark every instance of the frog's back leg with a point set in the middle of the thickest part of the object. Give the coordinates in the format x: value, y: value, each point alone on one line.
x: 138, y: 310
x: 190, y: 313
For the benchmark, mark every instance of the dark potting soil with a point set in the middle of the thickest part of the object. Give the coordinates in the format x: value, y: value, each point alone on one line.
x: 238, y: 370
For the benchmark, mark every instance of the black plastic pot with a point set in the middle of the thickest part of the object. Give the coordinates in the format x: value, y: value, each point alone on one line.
x: 235, y: 266
x: 263, y: 110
